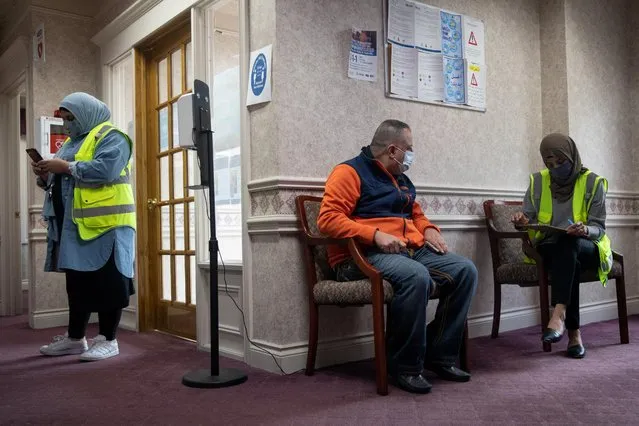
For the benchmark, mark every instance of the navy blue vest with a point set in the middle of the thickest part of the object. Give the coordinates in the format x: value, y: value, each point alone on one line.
x: 379, y: 195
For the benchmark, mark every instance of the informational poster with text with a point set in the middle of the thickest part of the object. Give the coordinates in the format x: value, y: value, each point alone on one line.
x: 362, y: 63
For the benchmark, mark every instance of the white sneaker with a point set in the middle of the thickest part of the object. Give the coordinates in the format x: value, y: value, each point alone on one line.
x: 101, y: 348
x: 63, y: 345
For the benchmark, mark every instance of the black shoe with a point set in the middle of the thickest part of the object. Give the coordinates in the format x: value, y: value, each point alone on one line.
x: 576, y: 351
x: 551, y: 336
x: 451, y: 373
x: 414, y: 383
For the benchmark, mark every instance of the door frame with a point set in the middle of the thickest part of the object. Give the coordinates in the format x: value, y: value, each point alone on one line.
x: 10, y: 229
x: 146, y: 133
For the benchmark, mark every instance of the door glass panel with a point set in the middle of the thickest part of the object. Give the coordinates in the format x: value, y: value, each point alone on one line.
x: 162, y: 81
x: 189, y: 66
x: 191, y: 207
x: 166, y: 277
x: 176, y: 73
x: 178, y: 175
x: 180, y: 279
x: 179, y: 226
x: 176, y: 134
x: 193, y: 279
x: 164, y: 129
x: 165, y: 230
x: 164, y: 178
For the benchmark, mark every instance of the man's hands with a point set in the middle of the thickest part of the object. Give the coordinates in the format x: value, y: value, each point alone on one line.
x: 388, y: 243
x: 55, y: 165
x: 393, y: 245
x: 519, y: 219
x: 432, y: 236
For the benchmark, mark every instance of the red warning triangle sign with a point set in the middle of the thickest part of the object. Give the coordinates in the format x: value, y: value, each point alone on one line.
x: 472, y: 39
x: 473, y: 80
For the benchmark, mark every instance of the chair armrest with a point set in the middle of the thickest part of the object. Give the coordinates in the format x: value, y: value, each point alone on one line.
x: 502, y: 234
x: 361, y: 261
x: 617, y: 256
x: 531, y: 252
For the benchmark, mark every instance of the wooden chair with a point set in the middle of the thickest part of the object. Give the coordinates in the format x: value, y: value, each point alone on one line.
x: 324, y: 290
x: 507, y: 247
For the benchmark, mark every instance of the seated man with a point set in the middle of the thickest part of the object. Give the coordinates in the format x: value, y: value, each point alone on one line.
x: 369, y: 198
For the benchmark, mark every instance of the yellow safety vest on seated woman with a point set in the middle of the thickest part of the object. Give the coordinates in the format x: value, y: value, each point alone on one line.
x: 580, y: 210
x: 98, y: 208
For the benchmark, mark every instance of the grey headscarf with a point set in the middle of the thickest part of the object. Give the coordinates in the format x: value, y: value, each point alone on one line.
x: 562, y: 146
x: 87, y: 110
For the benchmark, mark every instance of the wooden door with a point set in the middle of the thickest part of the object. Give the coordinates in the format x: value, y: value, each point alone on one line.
x: 168, y: 252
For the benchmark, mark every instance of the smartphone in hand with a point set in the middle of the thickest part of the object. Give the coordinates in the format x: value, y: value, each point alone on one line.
x: 34, y: 154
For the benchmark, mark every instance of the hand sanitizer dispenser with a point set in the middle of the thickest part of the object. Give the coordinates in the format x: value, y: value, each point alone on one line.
x: 185, y: 121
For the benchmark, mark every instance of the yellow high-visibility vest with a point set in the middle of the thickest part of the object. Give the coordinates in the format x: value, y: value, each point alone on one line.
x: 580, y: 209
x: 98, y: 208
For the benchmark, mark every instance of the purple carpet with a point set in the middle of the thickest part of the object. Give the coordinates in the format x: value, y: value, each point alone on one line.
x: 513, y: 382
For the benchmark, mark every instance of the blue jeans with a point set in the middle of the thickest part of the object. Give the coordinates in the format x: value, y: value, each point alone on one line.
x: 409, y: 341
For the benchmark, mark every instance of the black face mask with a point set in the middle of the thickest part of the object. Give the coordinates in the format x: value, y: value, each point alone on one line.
x: 562, y: 172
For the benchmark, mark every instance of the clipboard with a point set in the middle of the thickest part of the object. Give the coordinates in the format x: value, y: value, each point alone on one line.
x: 542, y: 228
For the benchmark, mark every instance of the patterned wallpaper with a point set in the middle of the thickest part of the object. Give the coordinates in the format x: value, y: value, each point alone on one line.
x: 282, y: 202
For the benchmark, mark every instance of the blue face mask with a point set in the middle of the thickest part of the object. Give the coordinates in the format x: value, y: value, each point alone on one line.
x: 561, y: 172
x: 72, y: 128
x: 409, y: 156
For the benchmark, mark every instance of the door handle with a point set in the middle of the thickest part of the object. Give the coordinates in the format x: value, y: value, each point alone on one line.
x: 151, y: 203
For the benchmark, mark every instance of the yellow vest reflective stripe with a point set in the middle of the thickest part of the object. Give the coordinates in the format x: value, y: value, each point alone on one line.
x: 580, y: 209
x: 98, y: 208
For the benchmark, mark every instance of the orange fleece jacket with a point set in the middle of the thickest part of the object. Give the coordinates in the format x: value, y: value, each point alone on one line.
x: 342, y: 191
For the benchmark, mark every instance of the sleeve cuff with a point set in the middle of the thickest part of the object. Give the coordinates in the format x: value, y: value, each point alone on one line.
x: 594, y: 232
x: 73, y: 169
x: 368, y: 235
x: 435, y: 227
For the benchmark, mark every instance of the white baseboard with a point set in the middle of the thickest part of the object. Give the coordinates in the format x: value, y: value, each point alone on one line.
x: 225, y: 351
x: 129, y: 319
x: 50, y: 318
x: 515, y: 319
x: 292, y: 357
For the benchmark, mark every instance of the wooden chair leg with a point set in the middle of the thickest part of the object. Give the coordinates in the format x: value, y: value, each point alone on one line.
x: 464, y: 360
x: 544, y: 307
x: 622, y: 310
x: 381, y: 369
x: 312, y: 339
x: 496, y: 311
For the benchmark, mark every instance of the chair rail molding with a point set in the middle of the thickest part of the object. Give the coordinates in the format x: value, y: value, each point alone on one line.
x: 453, y: 208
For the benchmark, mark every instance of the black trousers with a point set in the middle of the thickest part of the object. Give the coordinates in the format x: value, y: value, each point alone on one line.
x: 105, y: 291
x: 565, y: 259
x: 108, y: 323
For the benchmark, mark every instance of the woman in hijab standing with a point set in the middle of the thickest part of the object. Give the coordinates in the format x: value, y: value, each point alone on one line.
x: 90, y: 212
x: 567, y: 195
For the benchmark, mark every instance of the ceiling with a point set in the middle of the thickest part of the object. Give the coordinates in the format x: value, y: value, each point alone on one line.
x: 10, y: 10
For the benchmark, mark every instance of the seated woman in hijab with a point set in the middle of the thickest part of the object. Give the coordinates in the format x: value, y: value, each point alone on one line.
x: 90, y: 210
x: 569, y: 196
